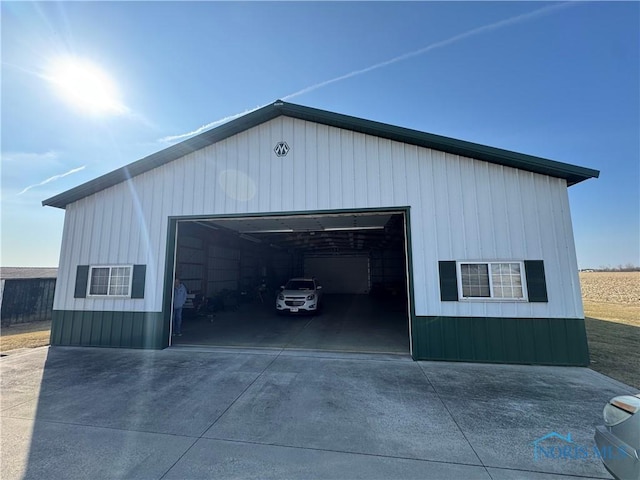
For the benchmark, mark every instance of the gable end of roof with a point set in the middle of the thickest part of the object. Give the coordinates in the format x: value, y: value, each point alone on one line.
x: 571, y: 173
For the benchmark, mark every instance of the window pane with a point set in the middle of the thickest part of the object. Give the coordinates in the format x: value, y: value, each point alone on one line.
x: 475, y: 279
x: 119, y: 282
x: 507, y: 281
x: 99, y: 281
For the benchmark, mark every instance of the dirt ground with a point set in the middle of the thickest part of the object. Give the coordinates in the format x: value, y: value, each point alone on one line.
x: 25, y: 335
x: 612, y: 318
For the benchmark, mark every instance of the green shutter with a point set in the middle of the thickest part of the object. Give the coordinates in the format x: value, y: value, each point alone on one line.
x: 82, y: 276
x: 137, y: 283
x: 448, y: 281
x: 536, y: 282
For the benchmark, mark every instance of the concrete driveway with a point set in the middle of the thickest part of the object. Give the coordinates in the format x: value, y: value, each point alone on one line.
x: 185, y: 413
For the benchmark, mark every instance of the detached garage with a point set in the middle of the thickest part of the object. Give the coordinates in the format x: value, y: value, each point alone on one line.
x: 424, y: 245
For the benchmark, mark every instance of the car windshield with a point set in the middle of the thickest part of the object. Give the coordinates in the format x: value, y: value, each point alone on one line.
x: 299, y: 285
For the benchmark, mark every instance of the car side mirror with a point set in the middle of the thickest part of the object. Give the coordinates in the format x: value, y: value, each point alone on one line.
x: 319, y: 287
x: 281, y: 287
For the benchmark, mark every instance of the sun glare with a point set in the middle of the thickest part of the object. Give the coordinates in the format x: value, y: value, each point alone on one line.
x: 85, y: 86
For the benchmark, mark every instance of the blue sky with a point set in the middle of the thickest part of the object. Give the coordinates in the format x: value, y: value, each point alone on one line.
x: 556, y: 80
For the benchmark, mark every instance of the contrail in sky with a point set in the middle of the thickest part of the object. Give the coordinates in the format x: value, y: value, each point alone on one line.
x: 52, y: 179
x: 443, y: 43
x: 471, y: 33
x: 173, y: 138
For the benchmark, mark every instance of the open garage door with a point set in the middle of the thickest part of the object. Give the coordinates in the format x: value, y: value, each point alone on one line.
x: 234, y: 268
x: 340, y: 274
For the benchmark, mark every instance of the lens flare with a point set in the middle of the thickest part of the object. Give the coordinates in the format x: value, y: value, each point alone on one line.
x: 85, y: 86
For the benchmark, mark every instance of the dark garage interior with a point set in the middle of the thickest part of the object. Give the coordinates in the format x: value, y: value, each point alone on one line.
x: 233, y: 269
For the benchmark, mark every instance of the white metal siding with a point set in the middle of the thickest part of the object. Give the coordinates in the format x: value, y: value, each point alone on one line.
x: 461, y: 209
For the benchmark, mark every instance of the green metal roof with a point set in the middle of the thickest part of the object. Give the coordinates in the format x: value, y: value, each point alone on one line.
x: 571, y: 173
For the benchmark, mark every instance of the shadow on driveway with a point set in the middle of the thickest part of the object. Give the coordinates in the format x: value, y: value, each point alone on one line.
x: 240, y: 413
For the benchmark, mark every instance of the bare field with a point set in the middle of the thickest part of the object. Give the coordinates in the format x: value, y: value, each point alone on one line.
x: 621, y: 289
x: 612, y: 318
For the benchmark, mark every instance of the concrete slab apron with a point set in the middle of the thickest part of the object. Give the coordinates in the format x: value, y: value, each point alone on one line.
x: 180, y: 393
x: 111, y: 413
x: 503, y: 409
x: 368, y: 407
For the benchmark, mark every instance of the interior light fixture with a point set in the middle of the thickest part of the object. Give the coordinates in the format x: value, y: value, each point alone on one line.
x: 282, y: 230
x: 340, y: 229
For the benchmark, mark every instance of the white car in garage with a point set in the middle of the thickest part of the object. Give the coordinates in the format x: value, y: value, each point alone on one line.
x: 299, y: 295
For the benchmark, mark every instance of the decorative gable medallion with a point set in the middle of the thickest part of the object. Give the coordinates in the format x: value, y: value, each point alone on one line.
x: 281, y: 149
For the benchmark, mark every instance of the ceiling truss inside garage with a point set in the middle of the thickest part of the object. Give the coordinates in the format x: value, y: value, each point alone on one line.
x: 329, y: 233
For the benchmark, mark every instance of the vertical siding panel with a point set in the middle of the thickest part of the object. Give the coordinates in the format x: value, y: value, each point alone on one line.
x: 106, y: 325
x: 456, y: 219
x: 214, y: 177
x: 360, y: 168
x: 499, y: 221
x: 513, y: 200
x: 96, y: 332
x: 414, y: 192
x: 428, y: 296
x: 297, y: 154
x: 334, y: 166
x: 115, y: 211
x: 116, y: 328
x: 555, y: 289
x: 275, y: 184
x: 398, y: 167
x: 199, y: 169
x: 386, y: 173
x: 126, y: 336
x: 208, y: 178
x: 486, y: 231
x: 264, y: 168
x: 76, y: 330
x: 137, y: 330
x: 372, y: 188
x: 347, y: 165
x: 323, y: 165
x: 530, y: 217
x: 124, y: 234
x: 311, y: 158
x: 93, y: 227
x: 189, y: 176
x: 469, y: 196
x: 565, y: 264
x: 259, y: 166
x: 62, y: 296
x: 102, y: 246
x: 575, y: 295
x: 442, y: 212
x: 289, y: 165
x: 86, y: 330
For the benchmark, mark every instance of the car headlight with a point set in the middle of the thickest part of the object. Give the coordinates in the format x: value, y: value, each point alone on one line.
x: 619, y: 409
x: 311, y: 297
x: 281, y: 297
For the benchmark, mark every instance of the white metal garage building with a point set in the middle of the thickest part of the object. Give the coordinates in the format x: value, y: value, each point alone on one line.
x: 476, y: 240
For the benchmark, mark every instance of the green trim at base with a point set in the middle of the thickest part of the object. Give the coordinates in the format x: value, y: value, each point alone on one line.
x: 540, y: 341
x: 109, y: 329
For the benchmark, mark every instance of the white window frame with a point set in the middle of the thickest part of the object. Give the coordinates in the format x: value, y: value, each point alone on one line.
x: 108, y: 295
x: 491, y: 297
